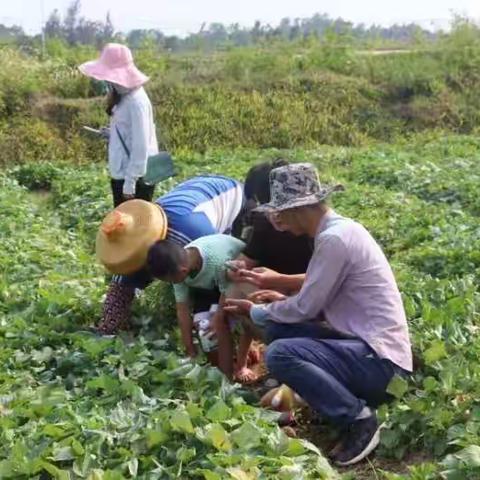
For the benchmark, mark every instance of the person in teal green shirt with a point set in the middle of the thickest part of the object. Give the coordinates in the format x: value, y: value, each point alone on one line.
x: 202, y: 264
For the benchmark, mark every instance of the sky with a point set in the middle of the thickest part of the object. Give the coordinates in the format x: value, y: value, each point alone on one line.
x: 180, y: 17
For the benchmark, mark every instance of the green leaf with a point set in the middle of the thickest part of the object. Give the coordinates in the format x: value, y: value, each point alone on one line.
x: 96, y: 474
x: 55, y: 472
x: 82, y: 466
x: 219, y: 412
x: 194, y: 410
x: 180, y: 422
x: 186, y: 454
x: 295, y: 447
x: 435, y: 352
x: 54, y: 431
x: 239, y: 474
x: 6, y: 469
x: 430, y: 384
x: 156, y: 437
x: 104, y: 382
x: 194, y: 374
x: 209, y: 475
x: 397, y: 387
x: 470, y: 456
x: 42, y: 356
x: 218, y: 437
x: 291, y: 472
x: 63, y: 454
x: 77, y: 447
x: 247, y: 436
x: 133, y: 467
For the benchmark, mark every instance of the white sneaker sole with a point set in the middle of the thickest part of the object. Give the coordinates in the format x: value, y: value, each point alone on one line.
x: 372, y: 445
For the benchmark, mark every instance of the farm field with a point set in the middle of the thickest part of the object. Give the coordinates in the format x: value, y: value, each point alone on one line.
x: 73, y: 406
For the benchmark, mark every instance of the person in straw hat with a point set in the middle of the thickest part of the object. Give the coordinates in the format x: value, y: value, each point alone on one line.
x: 200, y: 206
x: 132, y: 135
x: 350, y: 282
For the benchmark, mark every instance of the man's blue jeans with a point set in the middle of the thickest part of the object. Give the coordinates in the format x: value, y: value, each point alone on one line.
x: 337, y: 377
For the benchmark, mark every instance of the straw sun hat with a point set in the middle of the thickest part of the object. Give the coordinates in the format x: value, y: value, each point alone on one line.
x: 115, y: 65
x: 127, y: 233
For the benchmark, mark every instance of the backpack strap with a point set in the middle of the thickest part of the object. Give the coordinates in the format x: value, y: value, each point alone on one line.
x: 122, y: 141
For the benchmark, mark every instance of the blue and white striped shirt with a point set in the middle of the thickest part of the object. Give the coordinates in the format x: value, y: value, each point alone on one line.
x: 201, y: 206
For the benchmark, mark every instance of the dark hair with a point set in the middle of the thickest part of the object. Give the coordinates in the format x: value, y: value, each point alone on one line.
x: 113, y: 99
x: 257, y: 181
x: 165, y: 258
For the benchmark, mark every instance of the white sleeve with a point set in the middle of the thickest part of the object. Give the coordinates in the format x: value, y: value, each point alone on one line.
x: 137, y: 165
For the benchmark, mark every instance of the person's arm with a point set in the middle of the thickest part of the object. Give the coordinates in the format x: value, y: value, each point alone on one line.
x: 184, y: 317
x: 247, y: 261
x: 242, y: 262
x: 326, y: 272
x: 137, y: 164
x: 224, y: 337
x: 267, y: 279
x: 185, y: 323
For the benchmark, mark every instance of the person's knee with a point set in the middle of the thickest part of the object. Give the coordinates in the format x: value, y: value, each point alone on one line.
x: 276, y: 354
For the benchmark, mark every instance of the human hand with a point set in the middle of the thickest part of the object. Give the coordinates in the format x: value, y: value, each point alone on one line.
x: 245, y: 375
x: 105, y: 133
x: 266, y: 296
x: 234, y: 275
x: 261, y: 277
x: 239, y: 307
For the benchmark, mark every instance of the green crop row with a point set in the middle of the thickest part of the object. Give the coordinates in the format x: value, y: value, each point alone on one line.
x: 425, y: 219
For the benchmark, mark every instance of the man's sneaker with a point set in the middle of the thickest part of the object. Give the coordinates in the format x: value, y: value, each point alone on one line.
x: 361, y: 439
x: 337, y: 448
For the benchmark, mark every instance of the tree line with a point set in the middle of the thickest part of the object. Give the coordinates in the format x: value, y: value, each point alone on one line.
x: 75, y: 29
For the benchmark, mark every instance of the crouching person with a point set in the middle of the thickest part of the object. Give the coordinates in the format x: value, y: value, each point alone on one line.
x: 350, y: 282
x: 202, y: 205
x: 202, y: 264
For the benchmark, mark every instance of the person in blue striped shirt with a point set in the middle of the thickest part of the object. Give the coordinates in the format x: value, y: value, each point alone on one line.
x: 200, y: 206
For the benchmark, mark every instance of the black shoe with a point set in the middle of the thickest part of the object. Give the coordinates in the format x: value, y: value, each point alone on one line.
x: 361, y: 439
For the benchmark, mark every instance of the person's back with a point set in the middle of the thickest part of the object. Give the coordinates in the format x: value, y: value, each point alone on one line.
x: 267, y: 246
x: 215, y: 251
x: 366, y: 276
x: 199, y: 265
x: 201, y: 206
x: 134, y: 112
x: 357, y: 293
x: 280, y: 251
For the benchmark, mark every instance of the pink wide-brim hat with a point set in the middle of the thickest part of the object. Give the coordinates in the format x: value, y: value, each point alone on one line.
x: 115, y: 65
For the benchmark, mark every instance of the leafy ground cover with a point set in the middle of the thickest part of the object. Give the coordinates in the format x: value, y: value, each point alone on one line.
x: 73, y: 406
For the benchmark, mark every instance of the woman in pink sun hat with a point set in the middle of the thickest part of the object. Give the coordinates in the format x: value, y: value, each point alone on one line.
x: 131, y: 136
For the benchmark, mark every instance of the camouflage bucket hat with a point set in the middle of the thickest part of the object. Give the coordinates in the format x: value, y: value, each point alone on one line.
x: 295, y: 185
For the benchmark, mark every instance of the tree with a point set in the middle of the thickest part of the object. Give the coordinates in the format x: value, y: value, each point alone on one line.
x: 10, y: 34
x: 89, y: 32
x: 53, y: 27
x: 72, y: 20
x: 108, y: 29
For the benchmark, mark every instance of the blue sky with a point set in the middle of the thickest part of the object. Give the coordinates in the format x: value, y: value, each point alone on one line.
x: 183, y: 16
